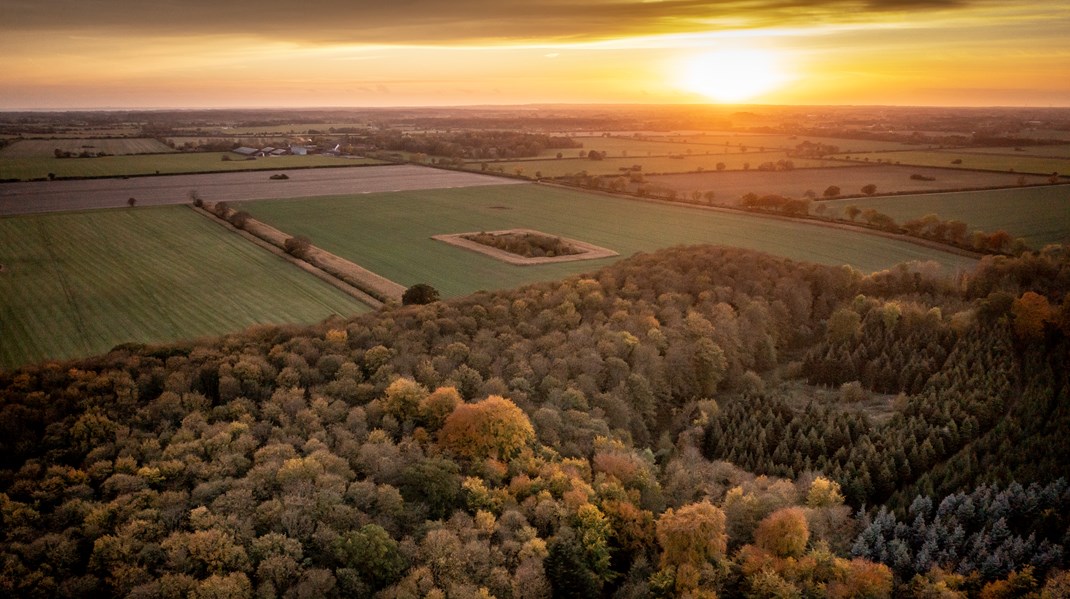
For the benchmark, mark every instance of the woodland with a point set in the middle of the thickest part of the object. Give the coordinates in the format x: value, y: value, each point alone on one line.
x: 696, y: 422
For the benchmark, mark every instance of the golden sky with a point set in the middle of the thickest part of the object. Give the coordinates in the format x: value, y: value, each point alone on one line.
x: 282, y: 53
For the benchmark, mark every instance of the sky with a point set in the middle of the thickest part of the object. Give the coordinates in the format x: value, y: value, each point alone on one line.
x: 57, y: 54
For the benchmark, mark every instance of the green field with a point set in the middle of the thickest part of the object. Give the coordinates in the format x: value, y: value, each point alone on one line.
x: 636, y: 147
x: 164, y: 164
x: 34, y: 148
x: 732, y: 185
x: 1055, y: 151
x: 1040, y: 215
x: 389, y: 233
x: 283, y: 129
x: 77, y: 284
x: 970, y: 160
x: 757, y: 141
x: 651, y: 164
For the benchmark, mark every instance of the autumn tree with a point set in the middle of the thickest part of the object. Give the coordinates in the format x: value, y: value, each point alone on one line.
x: 784, y: 533
x: 869, y: 189
x: 824, y: 493
x: 436, y: 407
x: 403, y: 399
x: 1031, y: 312
x: 832, y: 191
x: 693, y: 535
x: 492, y: 428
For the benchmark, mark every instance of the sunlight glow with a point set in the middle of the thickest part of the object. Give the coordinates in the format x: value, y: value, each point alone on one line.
x: 730, y: 76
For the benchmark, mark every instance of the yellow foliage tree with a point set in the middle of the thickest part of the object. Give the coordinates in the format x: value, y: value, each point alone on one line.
x: 492, y: 428
x: 824, y: 493
x: 438, y: 405
x: 403, y: 398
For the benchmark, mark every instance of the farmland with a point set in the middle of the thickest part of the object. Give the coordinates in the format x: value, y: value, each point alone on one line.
x: 32, y: 148
x: 77, y: 284
x: 162, y: 164
x: 616, y: 146
x: 730, y: 186
x: 971, y: 160
x: 758, y: 141
x: 684, y: 163
x: 1040, y: 215
x: 51, y: 196
x: 390, y: 233
x: 1055, y: 151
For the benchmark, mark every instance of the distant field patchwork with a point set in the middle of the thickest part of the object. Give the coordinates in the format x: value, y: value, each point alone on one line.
x: 1040, y: 215
x: 390, y: 233
x: 26, y: 168
x: 730, y: 186
x: 967, y: 159
x: 683, y: 163
x: 77, y: 284
x: 31, y: 148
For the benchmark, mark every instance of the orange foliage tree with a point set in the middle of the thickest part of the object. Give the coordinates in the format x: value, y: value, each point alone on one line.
x: 1031, y: 312
x: 492, y: 428
x: 783, y: 533
x: 692, y: 535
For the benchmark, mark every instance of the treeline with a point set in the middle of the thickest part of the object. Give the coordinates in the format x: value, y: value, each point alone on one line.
x: 471, y: 144
x: 562, y: 439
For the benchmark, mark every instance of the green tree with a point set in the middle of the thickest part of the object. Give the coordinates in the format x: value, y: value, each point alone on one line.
x: 373, y: 554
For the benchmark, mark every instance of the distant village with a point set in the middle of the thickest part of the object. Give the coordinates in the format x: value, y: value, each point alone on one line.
x: 295, y: 150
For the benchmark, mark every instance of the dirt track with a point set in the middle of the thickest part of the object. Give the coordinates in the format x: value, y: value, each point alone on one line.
x: 59, y: 196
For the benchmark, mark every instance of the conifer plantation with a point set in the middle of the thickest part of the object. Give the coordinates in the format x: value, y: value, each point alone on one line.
x: 696, y: 422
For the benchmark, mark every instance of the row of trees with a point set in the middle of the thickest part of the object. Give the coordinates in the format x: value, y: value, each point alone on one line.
x: 472, y: 144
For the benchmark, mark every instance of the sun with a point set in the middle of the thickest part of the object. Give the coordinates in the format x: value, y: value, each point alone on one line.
x: 732, y: 76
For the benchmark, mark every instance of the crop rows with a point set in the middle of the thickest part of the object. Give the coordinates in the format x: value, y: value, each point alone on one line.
x: 76, y: 284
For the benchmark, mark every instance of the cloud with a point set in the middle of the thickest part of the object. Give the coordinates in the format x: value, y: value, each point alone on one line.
x: 430, y: 22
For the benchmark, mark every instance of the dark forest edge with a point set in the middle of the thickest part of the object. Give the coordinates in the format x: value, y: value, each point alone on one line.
x: 701, y: 421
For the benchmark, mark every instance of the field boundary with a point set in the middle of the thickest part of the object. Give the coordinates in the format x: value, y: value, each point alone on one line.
x: 320, y: 264
x: 589, y: 251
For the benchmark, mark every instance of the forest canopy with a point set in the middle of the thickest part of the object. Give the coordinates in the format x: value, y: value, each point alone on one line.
x: 702, y: 421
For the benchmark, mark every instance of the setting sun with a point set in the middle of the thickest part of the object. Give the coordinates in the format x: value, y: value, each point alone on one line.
x: 729, y: 76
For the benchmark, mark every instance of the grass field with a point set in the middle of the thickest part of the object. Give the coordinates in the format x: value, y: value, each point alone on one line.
x: 1040, y: 215
x: 164, y: 164
x: 651, y: 164
x: 637, y: 147
x: 34, y: 148
x: 1056, y: 151
x: 77, y: 284
x: 390, y: 233
x: 757, y: 141
x: 730, y: 186
x: 284, y: 129
x: 971, y: 160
